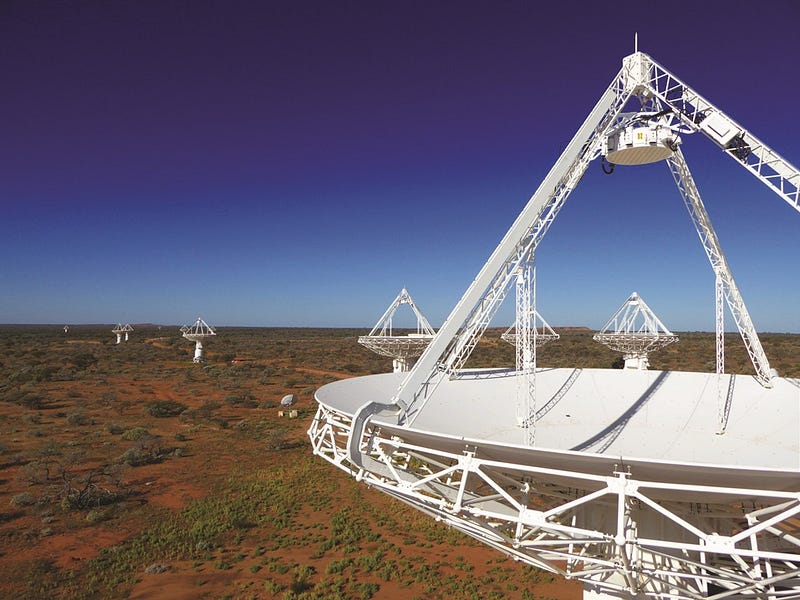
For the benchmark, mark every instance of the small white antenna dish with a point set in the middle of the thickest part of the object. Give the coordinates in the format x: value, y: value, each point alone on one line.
x: 635, y: 331
x: 544, y: 333
x: 197, y: 333
x: 401, y: 348
x: 122, y: 330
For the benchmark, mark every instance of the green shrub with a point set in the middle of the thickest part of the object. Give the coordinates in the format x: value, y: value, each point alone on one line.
x: 79, y: 418
x: 165, y: 408
x: 146, y: 452
x: 135, y: 433
x: 23, y: 499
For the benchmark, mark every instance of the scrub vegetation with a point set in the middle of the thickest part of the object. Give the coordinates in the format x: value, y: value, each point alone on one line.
x: 129, y: 471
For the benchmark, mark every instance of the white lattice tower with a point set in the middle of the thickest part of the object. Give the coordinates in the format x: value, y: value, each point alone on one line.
x: 526, y: 351
x: 635, y: 331
x: 401, y: 348
x: 682, y: 523
x: 198, y: 332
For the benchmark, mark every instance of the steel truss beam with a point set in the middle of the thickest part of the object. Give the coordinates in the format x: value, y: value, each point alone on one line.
x: 640, y: 77
x: 460, y: 333
x: 525, y: 344
x: 694, y: 110
x: 708, y: 237
x: 614, y: 532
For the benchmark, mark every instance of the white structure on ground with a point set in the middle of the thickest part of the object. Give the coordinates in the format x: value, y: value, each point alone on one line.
x: 640, y: 484
x: 401, y: 348
x: 543, y: 332
x: 635, y: 331
x: 198, y: 332
x: 122, y: 330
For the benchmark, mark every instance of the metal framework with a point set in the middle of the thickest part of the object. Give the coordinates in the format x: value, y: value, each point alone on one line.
x: 122, y: 330
x: 667, y: 97
x: 623, y: 534
x: 539, y: 328
x: 722, y: 271
x: 401, y: 348
x: 635, y: 330
x: 526, y: 350
x: 198, y: 332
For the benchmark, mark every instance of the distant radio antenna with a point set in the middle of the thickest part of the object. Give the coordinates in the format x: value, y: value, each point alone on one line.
x: 122, y: 330
x: 197, y: 333
x: 635, y: 331
x: 402, y: 348
x: 544, y: 333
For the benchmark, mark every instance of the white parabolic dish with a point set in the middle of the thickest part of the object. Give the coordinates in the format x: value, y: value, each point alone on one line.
x: 662, y: 422
x: 629, y: 485
x: 640, y: 484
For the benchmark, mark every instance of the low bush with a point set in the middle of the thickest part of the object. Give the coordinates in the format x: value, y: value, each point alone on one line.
x: 135, y: 433
x: 147, y: 451
x: 115, y: 428
x: 165, y: 408
x: 79, y: 419
x: 23, y: 499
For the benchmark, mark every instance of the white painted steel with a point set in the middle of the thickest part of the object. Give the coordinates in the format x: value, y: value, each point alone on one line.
x: 708, y: 237
x: 121, y: 330
x: 693, y: 109
x: 197, y: 333
x: 526, y: 350
x: 629, y: 490
x: 640, y: 145
x: 635, y: 331
x: 401, y: 348
x: 468, y: 320
x: 642, y: 483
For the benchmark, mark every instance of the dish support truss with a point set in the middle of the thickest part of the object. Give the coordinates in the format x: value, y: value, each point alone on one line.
x: 401, y: 348
x: 122, y: 330
x: 654, y: 87
x: 635, y: 330
x: 537, y: 325
x: 197, y: 332
x: 620, y: 536
x: 526, y: 339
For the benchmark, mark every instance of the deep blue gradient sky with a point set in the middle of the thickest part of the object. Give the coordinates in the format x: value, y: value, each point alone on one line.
x: 297, y: 163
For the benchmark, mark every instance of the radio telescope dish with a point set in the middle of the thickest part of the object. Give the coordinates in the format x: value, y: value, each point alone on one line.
x: 639, y: 484
x: 122, y: 330
x: 198, y: 333
x: 402, y: 348
x: 544, y: 333
x: 635, y: 330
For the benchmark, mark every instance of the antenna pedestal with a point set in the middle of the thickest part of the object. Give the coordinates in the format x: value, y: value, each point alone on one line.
x: 198, y: 352
x: 400, y: 365
x: 637, y: 362
x: 197, y: 333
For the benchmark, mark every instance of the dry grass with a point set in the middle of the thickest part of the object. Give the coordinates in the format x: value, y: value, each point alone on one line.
x: 129, y: 471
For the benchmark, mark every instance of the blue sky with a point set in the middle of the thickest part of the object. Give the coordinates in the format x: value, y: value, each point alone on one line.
x: 297, y: 163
